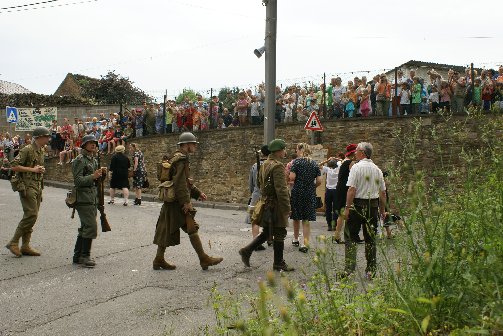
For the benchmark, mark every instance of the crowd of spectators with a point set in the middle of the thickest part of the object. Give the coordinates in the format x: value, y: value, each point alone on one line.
x: 357, y: 98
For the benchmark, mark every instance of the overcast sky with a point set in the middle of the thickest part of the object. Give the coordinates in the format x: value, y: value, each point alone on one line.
x: 200, y: 44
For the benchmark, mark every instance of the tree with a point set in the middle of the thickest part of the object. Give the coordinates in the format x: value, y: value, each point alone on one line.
x: 191, y: 94
x: 115, y: 89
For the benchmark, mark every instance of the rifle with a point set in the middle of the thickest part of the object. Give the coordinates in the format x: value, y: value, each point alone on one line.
x: 105, y: 227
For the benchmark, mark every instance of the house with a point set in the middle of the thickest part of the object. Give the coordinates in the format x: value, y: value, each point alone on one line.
x: 75, y: 85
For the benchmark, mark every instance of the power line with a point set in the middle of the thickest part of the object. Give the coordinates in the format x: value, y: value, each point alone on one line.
x: 32, y: 4
x: 42, y: 7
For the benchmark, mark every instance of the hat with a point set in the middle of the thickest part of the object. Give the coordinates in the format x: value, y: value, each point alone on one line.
x: 265, y: 150
x: 120, y: 149
x: 350, y: 149
x: 276, y: 145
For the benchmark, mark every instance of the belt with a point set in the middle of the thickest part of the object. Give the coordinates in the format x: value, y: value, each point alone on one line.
x: 373, y: 202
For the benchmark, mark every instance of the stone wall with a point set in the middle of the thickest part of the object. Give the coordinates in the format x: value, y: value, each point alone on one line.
x: 221, y: 165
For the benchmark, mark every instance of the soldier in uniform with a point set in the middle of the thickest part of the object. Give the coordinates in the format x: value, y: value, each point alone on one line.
x: 85, y: 172
x: 273, y: 208
x: 29, y: 168
x: 180, y: 213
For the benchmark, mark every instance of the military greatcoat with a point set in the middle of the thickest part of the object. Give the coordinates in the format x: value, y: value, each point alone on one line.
x: 172, y: 219
x: 83, y: 168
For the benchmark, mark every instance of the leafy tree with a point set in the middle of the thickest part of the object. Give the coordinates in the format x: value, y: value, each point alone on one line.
x: 191, y: 94
x: 115, y: 89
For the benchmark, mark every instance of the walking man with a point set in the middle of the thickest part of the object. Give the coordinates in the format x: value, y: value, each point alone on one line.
x: 179, y: 214
x: 366, y: 198
x: 272, y: 210
x: 29, y: 182
x: 85, y: 172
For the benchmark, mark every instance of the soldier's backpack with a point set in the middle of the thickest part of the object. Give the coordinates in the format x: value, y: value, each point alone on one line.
x: 163, y: 170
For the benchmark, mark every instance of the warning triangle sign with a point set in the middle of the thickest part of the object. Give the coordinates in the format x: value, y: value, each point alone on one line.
x: 313, y: 123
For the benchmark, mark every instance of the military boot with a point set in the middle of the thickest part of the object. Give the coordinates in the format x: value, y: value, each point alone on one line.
x: 160, y: 262
x: 13, y: 245
x: 279, y: 262
x: 85, y: 256
x: 26, y: 249
x: 77, y: 250
x: 247, y: 251
x: 204, y: 260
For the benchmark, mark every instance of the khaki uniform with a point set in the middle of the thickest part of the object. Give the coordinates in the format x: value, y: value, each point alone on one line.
x: 274, y: 197
x: 83, y: 168
x: 31, y: 196
x: 172, y: 219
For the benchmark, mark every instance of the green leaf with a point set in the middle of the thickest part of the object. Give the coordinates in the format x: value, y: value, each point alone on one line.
x: 396, y: 310
x: 424, y: 300
x: 425, y: 323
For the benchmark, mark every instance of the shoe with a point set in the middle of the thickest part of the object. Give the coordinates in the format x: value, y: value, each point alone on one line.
x: 87, y: 262
x: 125, y: 203
x: 111, y: 202
x: 14, y: 249
x: 245, y: 256
x: 303, y: 249
x: 337, y: 240
x: 60, y: 163
x: 360, y: 241
x: 28, y: 251
x: 295, y: 243
x: 282, y: 267
x: 160, y: 263
x: 260, y: 248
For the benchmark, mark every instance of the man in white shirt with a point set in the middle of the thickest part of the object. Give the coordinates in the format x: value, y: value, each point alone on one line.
x: 366, y: 198
x: 331, y: 170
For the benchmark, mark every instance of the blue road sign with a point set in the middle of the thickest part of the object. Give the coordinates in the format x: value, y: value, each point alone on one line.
x: 11, y: 113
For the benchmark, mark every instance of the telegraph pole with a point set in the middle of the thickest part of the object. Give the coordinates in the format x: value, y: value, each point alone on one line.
x: 270, y: 69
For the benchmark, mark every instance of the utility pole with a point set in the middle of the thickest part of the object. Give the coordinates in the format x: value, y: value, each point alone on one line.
x: 163, y: 129
x: 270, y: 69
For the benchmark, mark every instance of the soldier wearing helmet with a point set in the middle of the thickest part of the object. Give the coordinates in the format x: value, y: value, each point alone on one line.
x: 85, y: 172
x: 180, y: 213
x: 273, y: 208
x: 28, y: 180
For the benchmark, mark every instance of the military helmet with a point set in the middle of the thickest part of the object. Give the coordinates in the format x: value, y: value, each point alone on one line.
x: 40, y: 132
x: 88, y: 138
x: 187, y: 137
x: 276, y: 145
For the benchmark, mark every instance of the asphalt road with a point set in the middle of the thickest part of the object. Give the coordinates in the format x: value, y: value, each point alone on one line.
x: 122, y: 295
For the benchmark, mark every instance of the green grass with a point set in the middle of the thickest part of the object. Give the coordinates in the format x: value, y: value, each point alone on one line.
x: 442, y: 275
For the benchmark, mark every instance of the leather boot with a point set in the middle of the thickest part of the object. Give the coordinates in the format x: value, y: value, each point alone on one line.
x: 13, y: 245
x: 85, y: 256
x: 159, y: 262
x: 247, y: 251
x: 279, y: 262
x: 26, y: 249
x: 204, y: 260
x: 77, y: 250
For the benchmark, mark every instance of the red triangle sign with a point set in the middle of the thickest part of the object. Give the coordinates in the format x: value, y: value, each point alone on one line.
x: 313, y: 123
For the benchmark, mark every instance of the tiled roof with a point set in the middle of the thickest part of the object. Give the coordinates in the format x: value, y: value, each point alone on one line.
x: 12, y: 88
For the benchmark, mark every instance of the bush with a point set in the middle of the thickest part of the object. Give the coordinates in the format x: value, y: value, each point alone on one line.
x: 442, y: 274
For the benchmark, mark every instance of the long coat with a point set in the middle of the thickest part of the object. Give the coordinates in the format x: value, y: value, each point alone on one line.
x: 172, y: 219
x: 274, y: 193
x: 119, y: 166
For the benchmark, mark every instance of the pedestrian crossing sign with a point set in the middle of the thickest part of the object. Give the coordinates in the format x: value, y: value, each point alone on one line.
x: 313, y: 123
x: 11, y: 113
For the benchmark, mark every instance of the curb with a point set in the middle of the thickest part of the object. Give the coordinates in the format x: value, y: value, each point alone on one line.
x: 153, y: 198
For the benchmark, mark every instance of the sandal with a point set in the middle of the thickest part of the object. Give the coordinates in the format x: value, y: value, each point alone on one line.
x: 303, y: 249
x: 125, y: 203
x: 295, y: 243
x: 111, y: 202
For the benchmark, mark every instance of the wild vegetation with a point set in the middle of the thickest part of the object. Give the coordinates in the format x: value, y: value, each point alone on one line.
x: 442, y: 274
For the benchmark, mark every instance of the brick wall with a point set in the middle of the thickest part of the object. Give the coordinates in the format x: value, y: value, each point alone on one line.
x: 221, y: 165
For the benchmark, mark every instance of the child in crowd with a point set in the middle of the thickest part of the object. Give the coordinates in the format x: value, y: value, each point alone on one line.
x: 416, y: 96
x: 242, y: 108
x: 404, y: 99
x: 196, y: 120
x: 255, y: 112
x: 365, y: 103
x: 204, y: 120
x: 289, y: 110
x: 434, y: 99
x: 487, y: 96
x: 66, y: 152
x: 477, y: 93
x: 350, y: 106
x: 445, y: 96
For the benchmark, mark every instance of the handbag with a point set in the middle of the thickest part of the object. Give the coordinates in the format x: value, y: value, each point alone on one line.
x: 146, y: 184
x: 167, y: 192
x: 71, y: 198
x: 319, y: 202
